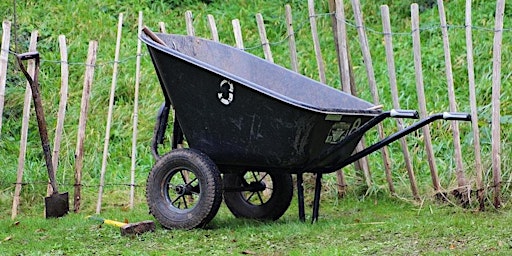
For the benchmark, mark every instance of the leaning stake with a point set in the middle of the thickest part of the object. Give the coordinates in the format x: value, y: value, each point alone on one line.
x: 109, y: 118
x: 84, y: 106
x: 24, y: 132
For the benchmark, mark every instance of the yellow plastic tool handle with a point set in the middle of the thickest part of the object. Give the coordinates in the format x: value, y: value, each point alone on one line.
x: 114, y: 223
x: 108, y: 222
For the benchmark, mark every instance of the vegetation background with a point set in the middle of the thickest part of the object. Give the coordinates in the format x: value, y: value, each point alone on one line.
x: 360, y: 224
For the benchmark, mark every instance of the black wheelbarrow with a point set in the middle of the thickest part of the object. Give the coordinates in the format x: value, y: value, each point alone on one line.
x: 254, y: 122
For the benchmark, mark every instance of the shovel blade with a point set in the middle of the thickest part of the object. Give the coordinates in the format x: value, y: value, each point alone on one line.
x: 56, y: 205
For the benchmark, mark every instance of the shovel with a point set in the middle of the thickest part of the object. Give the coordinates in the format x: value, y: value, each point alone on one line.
x: 56, y: 205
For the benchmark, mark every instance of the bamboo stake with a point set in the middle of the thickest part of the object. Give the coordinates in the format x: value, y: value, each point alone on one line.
x: 64, y: 70
x: 316, y: 41
x: 189, y: 20
x: 135, y: 115
x: 263, y: 37
x: 390, y: 60
x: 365, y: 48
x: 82, y: 122
x: 4, y: 55
x: 110, y: 111
x: 24, y: 129
x: 237, y: 30
x: 459, y: 172
x: 496, y: 91
x: 291, y: 39
x: 213, y: 28
x: 415, y: 21
x: 474, y: 111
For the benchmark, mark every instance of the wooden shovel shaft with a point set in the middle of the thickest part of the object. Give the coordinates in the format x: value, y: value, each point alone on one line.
x: 41, y: 121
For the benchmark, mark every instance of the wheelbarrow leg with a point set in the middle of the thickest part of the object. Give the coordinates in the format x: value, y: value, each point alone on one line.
x: 300, y: 196
x: 316, y: 201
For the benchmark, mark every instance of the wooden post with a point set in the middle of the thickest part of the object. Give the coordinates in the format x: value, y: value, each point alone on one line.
x: 496, y: 91
x: 316, y: 41
x: 161, y: 27
x: 474, y: 111
x: 390, y: 60
x: 64, y: 71
x: 339, y: 33
x: 415, y: 21
x: 365, y: 48
x: 110, y: 111
x: 347, y: 81
x: 82, y: 122
x: 291, y: 39
x: 24, y: 129
x: 263, y: 37
x: 462, y: 191
x: 4, y: 54
x: 237, y: 30
x: 213, y: 28
x: 189, y: 20
x: 135, y: 115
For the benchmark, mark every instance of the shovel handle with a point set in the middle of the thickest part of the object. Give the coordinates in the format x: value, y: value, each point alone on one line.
x: 38, y: 105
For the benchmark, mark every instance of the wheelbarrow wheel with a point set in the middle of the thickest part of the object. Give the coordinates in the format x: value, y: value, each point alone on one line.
x: 262, y: 196
x: 184, y: 190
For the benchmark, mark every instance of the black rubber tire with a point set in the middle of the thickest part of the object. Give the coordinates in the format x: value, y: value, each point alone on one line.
x: 257, y: 205
x: 178, y: 203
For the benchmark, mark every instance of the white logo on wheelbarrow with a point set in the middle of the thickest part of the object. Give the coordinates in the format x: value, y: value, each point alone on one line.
x: 226, y: 92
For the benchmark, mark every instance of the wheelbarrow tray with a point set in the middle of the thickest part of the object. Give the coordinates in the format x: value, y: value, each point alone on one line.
x: 240, y: 113
x: 246, y: 112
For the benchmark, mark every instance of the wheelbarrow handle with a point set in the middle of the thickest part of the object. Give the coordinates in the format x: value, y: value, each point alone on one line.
x: 457, y: 116
x: 400, y: 113
x: 395, y: 136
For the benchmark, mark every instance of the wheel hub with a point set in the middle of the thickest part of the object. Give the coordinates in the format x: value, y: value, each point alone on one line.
x: 185, y: 190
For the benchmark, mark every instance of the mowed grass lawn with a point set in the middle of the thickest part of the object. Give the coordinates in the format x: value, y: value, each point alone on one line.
x: 374, y: 226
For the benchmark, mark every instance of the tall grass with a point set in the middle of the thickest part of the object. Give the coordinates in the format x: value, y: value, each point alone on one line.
x: 82, y: 21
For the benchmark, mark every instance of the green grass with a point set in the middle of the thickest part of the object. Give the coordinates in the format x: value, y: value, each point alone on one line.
x: 97, y: 20
x: 355, y: 225
x: 380, y: 225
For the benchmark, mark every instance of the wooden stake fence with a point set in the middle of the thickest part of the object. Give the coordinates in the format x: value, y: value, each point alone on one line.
x: 237, y: 30
x: 291, y: 39
x: 24, y: 129
x: 474, y: 111
x: 496, y: 91
x: 110, y: 113
x: 4, y: 53
x: 347, y: 83
x: 82, y: 122
x: 135, y: 115
x: 263, y: 37
x: 64, y: 70
x: 365, y: 48
x: 415, y: 27
x: 213, y: 28
x: 316, y: 41
x: 189, y: 20
x: 390, y: 60
x: 340, y: 39
x: 463, y: 191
